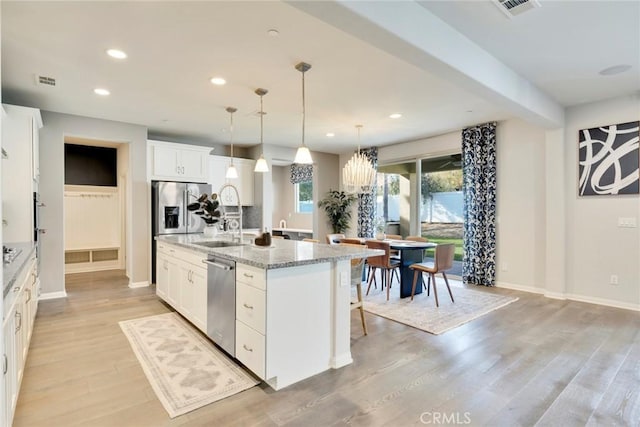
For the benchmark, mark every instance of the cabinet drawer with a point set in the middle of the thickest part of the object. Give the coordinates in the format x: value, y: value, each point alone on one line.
x: 165, y: 248
x: 251, y: 276
x: 250, y: 306
x: 192, y: 257
x: 250, y: 348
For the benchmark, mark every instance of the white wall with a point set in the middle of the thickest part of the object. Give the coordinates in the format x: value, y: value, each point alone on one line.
x: 568, y: 257
x: 56, y: 127
x: 521, y: 243
x: 596, y: 247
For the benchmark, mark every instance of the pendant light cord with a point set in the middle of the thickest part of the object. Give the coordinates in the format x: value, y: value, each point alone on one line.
x: 231, y: 137
x: 303, y: 108
x: 261, y: 116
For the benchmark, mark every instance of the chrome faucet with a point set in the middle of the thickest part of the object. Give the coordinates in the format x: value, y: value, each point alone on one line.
x: 232, y: 215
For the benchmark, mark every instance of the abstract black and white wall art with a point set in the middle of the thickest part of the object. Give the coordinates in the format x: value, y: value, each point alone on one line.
x: 609, y: 160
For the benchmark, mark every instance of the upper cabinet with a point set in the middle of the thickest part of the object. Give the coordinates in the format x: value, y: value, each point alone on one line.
x: 178, y: 162
x: 20, y: 170
x: 244, y: 183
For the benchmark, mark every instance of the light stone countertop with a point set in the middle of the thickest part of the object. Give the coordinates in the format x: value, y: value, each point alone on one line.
x: 282, y: 253
x: 11, y: 271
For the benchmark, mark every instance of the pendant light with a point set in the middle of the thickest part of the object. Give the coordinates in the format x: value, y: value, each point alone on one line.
x: 358, y: 175
x: 232, y: 172
x: 261, y: 164
x: 303, y: 155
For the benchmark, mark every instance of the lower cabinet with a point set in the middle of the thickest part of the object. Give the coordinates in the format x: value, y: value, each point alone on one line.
x: 17, y: 330
x: 281, y: 316
x: 182, y: 283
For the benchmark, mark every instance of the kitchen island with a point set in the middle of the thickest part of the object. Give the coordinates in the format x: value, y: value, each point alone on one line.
x: 292, y: 304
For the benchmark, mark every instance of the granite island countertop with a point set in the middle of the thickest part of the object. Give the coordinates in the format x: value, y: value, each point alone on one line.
x: 281, y: 254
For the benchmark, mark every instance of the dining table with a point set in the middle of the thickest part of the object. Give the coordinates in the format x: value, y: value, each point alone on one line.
x: 411, y: 252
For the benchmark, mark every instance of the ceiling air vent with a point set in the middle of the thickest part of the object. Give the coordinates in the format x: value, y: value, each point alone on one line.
x: 45, y: 81
x: 513, y: 8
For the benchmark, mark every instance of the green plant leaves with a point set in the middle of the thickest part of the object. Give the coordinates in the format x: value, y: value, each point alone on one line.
x: 337, y: 206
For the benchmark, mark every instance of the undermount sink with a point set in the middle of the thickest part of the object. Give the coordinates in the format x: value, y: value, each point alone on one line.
x: 218, y: 244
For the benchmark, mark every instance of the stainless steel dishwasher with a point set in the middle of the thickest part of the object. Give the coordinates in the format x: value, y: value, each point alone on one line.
x: 221, y: 303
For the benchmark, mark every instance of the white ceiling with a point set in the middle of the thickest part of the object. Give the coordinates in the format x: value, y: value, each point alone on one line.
x: 356, y: 77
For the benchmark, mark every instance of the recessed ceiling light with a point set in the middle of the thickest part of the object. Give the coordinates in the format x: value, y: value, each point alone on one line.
x: 395, y: 116
x: 616, y: 69
x: 219, y: 81
x: 330, y: 134
x: 273, y: 33
x: 116, y: 53
x: 101, y: 91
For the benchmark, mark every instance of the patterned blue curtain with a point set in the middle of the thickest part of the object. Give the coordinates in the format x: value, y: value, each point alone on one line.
x: 479, y: 192
x: 301, y: 173
x: 367, y: 202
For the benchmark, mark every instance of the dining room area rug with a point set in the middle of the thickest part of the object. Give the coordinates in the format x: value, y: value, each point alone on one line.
x: 422, y: 313
x: 185, y: 370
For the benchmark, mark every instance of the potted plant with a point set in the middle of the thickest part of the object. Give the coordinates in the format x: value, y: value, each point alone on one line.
x: 207, y: 208
x: 337, y: 206
x: 381, y: 227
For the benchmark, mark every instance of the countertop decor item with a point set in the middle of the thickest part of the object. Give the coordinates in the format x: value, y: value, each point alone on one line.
x: 337, y: 206
x: 207, y: 208
x: 359, y: 175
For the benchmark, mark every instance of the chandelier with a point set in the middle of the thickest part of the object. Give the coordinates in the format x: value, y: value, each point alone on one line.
x: 358, y: 175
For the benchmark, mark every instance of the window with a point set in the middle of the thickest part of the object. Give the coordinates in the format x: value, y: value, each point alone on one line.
x: 304, y: 197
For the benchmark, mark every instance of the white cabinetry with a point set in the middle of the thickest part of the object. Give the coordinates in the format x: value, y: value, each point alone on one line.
x: 281, y: 315
x: 17, y: 329
x: 20, y: 171
x: 181, y: 280
x: 244, y: 183
x: 178, y: 162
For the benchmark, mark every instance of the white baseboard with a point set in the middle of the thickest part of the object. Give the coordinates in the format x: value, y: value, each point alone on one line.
x: 555, y: 295
x: 340, y: 361
x: 142, y: 284
x: 604, y: 301
x: 523, y: 288
x: 572, y: 297
x: 52, y: 295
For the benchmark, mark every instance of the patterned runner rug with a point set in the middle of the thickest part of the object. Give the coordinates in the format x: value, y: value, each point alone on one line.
x: 185, y: 370
x: 422, y: 313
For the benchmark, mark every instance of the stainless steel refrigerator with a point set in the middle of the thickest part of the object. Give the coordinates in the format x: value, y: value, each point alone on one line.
x: 169, y: 214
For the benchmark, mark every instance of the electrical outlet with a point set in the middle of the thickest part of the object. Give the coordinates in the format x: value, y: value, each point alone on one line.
x: 614, y: 279
x: 505, y: 266
x: 627, y: 222
x: 344, y: 278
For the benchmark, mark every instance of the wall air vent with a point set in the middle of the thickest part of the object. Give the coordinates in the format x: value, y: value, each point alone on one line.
x: 45, y: 81
x: 513, y: 8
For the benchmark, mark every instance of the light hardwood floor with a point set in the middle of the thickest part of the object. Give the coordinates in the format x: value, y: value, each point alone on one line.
x: 536, y: 361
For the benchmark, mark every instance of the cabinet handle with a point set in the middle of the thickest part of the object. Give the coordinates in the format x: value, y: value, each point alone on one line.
x: 250, y: 307
x: 19, y: 317
x: 178, y: 170
x: 247, y: 348
x: 250, y: 276
x: 5, y: 364
x: 29, y: 299
x: 16, y: 289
